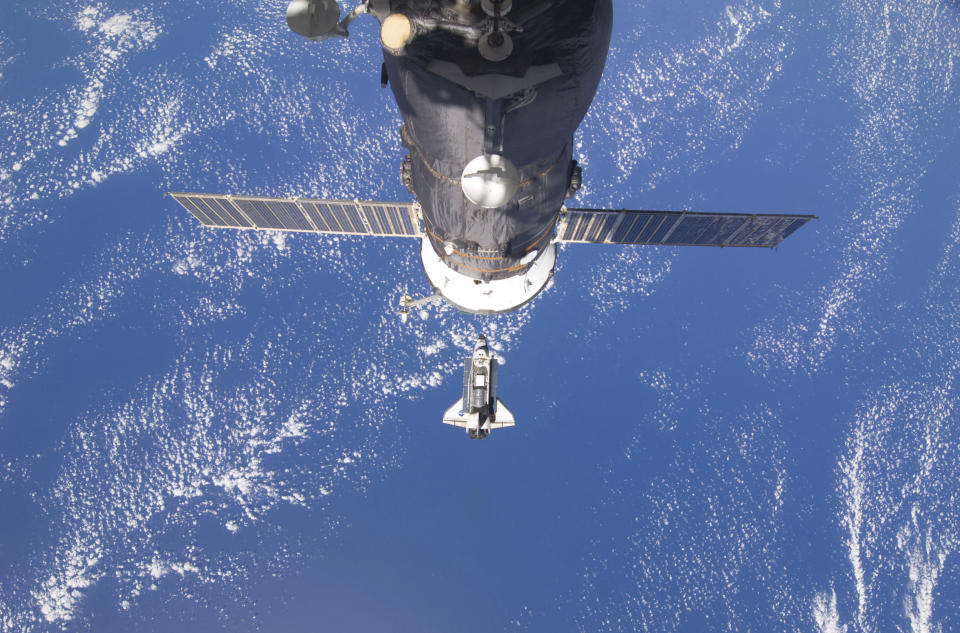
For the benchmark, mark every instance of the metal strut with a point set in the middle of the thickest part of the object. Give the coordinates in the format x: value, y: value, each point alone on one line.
x: 406, y: 302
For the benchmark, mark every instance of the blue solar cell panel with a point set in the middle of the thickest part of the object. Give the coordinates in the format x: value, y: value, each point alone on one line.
x: 588, y: 227
x: 229, y: 211
x: 664, y: 228
x: 217, y: 212
x: 600, y: 227
x: 677, y: 228
x: 316, y: 218
x: 579, y: 227
x: 374, y: 218
x: 213, y: 210
x: 408, y: 222
x: 565, y: 227
x: 326, y: 212
x: 689, y: 229
x: 385, y: 219
x: 399, y: 219
x: 794, y: 225
x: 726, y: 227
x: 759, y: 232
x: 388, y: 219
x: 322, y: 216
x: 631, y: 224
x: 395, y: 218
x: 348, y: 216
x: 659, y: 224
x: 580, y: 223
x: 259, y: 213
x: 289, y: 215
x: 192, y: 207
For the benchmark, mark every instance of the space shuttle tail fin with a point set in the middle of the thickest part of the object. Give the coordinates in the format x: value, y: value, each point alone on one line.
x: 504, y: 417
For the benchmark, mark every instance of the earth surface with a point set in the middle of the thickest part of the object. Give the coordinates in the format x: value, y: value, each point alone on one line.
x: 208, y: 430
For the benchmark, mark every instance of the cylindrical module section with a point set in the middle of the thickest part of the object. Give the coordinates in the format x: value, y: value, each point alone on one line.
x: 520, y: 112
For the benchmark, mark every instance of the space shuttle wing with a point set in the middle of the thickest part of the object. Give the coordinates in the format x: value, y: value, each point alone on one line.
x: 677, y: 228
x: 504, y: 417
x: 343, y: 217
x: 454, y: 415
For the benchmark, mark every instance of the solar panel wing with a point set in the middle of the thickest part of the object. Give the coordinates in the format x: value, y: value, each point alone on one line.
x: 319, y: 211
x: 202, y: 214
x: 348, y: 216
x: 388, y: 219
x: 395, y: 219
x: 215, y: 211
x: 677, y: 228
x: 287, y: 213
x: 259, y: 212
x: 230, y: 214
x: 407, y: 220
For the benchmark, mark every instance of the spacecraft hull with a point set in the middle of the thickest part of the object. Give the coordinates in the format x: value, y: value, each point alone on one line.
x: 456, y: 105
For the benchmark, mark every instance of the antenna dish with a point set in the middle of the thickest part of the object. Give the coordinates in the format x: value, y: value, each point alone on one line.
x: 313, y: 19
x: 396, y: 32
x: 490, y: 181
x: 495, y: 7
x: 495, y: 46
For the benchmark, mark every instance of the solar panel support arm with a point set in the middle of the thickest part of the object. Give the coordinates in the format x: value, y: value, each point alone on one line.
x: 350, y: 17
x: 561, y: 225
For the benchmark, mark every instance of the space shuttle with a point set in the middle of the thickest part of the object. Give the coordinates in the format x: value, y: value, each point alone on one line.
x: 479, y: 411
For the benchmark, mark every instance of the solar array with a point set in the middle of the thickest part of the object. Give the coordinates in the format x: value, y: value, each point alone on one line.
x: 303, y: 214
x: 585, y: 226
x: 677, y: 228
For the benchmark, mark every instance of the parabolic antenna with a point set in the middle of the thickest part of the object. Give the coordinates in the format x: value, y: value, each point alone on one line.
x: 496, y: 8
x: 313, y: 19
x: 490, y: 181
x: 396, y: 31
x: 495, y: 46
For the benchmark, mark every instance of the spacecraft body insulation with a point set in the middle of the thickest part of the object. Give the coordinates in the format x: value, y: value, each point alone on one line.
x: 458, y: 105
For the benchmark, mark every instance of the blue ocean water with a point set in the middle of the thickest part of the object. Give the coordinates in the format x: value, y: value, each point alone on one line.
x: 205, y: 430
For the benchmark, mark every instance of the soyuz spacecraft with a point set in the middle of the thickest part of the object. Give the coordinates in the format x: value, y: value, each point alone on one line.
x: 490, y: 93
